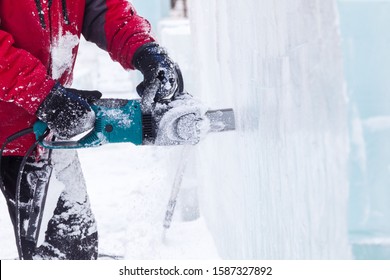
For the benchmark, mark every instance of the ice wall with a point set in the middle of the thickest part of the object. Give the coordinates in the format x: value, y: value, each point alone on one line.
x: 366, y: 40
x: 277, y: 188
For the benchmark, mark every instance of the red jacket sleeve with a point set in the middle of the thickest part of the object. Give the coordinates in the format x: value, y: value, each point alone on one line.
x: 23, y: 78
x: 115, y: 26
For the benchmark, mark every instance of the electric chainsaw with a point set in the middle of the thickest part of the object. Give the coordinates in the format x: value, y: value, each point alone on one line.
x: 123, y: 121
x: 178, y: 122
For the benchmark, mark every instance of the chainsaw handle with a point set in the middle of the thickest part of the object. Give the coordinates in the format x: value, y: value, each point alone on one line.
x: 89, y: 140
x: 92, y: 139
x: 117, y: 121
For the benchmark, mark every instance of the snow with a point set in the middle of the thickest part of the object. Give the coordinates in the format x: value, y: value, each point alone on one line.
x: 277, y: 187
x: 191, y: 124
x: 133, y: 188
x: 62, y: 54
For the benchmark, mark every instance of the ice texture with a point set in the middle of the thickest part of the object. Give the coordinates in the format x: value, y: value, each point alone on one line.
x: 366, y: 56
x: 277, y: 187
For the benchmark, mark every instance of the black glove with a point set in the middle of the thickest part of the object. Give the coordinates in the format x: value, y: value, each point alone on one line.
x: 67, y: 112
x: 162, y: 77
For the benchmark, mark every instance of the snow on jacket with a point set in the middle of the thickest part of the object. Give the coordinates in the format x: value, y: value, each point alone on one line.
x: 38, y: 45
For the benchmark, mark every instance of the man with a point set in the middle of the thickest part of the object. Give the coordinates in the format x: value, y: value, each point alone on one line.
x: 38, y: 47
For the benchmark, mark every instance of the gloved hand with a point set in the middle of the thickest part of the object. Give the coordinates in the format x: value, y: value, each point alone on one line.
x: 181, y: 121
x: 67, y: 112
x: 162, y: 77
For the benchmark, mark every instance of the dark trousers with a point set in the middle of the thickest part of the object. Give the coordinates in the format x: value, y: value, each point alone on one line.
x: 71, y: 232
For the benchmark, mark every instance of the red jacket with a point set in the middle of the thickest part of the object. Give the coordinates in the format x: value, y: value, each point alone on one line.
x: 38, y: 46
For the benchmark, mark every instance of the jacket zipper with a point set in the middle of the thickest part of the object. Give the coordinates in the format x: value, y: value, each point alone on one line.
x: 42, y: 16
x: 65, y: 12
x: 44, y: 26
x: 40, y: 13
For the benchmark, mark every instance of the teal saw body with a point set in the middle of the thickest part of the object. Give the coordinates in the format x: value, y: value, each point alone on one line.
x: 117, y: 121
x: 122, y: 121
